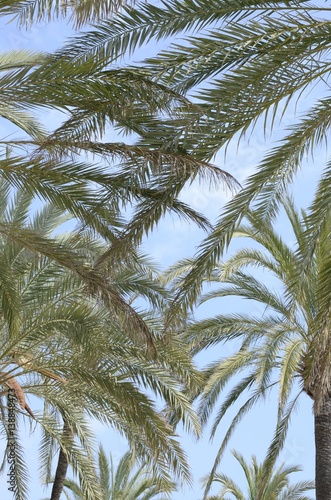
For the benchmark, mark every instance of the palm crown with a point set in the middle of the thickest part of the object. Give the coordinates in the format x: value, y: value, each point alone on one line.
x: 263, y: 483
x: 128, y: 481
x: 287, y: 342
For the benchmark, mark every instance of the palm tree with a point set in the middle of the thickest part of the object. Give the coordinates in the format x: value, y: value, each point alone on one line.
x: 263, y: 483
x: 244, y: 62
x: 81, y: 359
x: 128, y: 481
x: 285, y: 344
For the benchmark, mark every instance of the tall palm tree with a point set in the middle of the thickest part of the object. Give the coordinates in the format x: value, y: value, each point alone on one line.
x: 263, y: 483
x: 129, y: 481
x: 285, y: 344
x: 81, y: 359
x: 244, y: 62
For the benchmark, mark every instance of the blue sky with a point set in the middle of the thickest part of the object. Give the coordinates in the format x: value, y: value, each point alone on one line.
x: 254, y: 434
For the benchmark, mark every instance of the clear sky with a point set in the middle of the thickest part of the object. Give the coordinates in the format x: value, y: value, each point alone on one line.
x: 254, y: 434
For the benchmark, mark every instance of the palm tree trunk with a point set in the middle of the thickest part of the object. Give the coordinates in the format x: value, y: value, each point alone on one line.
x: 62, y: 467
x: 323, y: 452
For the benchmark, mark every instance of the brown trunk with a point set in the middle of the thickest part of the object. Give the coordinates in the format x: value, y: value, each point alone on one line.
x: 323, y: 452
x: 62, y: 467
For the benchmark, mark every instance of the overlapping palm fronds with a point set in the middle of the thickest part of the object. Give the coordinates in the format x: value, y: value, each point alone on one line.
x: 80, y: 359
x: 146, y: 177
x: 244, y: 62
x: 79, y: 13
